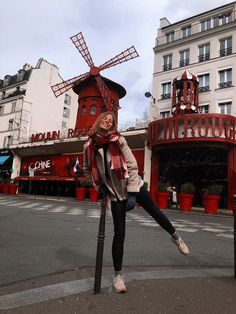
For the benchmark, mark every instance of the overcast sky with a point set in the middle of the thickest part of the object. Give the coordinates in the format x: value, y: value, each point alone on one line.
x: 31, y: 29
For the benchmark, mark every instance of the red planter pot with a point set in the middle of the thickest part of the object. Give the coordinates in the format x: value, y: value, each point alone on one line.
x: 81, y: 193
x: 162, y: 199
x: 185, y: 202
x: 211, y: 203
x: 5, y: 188
x: 93, y: 195
x: 12, y: 189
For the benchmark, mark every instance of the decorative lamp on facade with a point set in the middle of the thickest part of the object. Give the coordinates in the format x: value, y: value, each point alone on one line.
x: 185, y: 94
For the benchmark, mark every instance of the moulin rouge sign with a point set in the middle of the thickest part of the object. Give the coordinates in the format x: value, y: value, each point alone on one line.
x: 55, y: 135
x: 216, y: 127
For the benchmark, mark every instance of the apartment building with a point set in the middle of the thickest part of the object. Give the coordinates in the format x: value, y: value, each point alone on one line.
x: 204, y: 45
x: 192, y: 136
x: 28, y: 105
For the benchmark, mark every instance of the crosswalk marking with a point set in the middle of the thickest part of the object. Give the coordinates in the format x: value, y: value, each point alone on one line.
x: 224, y: 235
x: 183, y: 225
x: 187, y: 229
x: 75, y: 211
x: 58, y: 209
x: 213, y: 229
x: 43, y: 207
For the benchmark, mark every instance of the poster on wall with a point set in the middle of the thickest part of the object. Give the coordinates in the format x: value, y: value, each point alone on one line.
x: 60, y: 166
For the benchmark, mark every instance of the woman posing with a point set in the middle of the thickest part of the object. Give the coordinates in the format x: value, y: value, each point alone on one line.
x: 111, y: 166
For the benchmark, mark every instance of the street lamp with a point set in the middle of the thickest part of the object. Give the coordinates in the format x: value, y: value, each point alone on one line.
x: 148, y: 95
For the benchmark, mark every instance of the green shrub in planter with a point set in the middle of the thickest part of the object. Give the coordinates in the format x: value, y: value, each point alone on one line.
x: 187, y: 188
x: 162, y: 186
x: 86, y: 184
x: 214, y: 189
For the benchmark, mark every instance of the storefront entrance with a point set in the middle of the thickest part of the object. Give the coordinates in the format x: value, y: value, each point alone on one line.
x: 199, y: 165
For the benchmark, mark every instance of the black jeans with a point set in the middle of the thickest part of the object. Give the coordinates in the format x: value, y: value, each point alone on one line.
x: 119, y: 216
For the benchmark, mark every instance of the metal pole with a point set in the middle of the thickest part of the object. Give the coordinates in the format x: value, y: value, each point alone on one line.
x: 100, y: 246
x: 234, y: 235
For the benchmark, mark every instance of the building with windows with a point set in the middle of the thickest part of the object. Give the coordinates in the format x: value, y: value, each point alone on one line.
x: 192, y: 136
x: 28, y: 105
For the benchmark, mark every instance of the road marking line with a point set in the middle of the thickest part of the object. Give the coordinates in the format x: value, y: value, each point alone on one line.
x: 224, y: 235
x: 213, y: 230
x: 75, y: 211
x: 187, y: 229
x: 58, y: 209
x: 150, y: 224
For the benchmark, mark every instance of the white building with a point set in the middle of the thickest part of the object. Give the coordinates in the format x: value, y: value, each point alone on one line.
x: 28, y: 105
x: 204, y: 45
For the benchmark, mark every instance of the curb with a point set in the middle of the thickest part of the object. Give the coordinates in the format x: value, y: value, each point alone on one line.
x: 56, y: 291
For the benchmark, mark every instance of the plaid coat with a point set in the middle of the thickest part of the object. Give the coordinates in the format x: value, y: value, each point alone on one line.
x: 118, y: 188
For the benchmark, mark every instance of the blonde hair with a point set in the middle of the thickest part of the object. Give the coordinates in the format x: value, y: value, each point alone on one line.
x: 96, y: 126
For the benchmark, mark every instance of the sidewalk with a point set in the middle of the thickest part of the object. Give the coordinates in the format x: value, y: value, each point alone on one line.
x: 160, y: 296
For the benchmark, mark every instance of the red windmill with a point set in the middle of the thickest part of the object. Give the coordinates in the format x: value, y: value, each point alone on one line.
x: 99, y: 83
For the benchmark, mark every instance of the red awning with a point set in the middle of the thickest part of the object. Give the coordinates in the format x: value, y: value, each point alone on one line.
x: 48, y: 178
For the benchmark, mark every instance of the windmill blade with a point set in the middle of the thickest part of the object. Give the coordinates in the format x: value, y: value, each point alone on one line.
x: 80, y: 44
x: 124, y: 56
x: 109, y: 102
x: 62, y: 87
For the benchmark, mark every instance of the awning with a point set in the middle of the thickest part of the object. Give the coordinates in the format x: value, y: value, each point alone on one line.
x: 3, y: 159
x: 46, y: 178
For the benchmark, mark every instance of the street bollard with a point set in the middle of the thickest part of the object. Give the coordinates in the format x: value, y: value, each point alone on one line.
x: 234, y: 235
x: 100, y: 246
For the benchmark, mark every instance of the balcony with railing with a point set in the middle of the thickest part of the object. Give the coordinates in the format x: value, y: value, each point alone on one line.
x: 184, y: 62
x: 166, y: 96
x: 225, y: 84
x: 225, y: 52
x: 204, y: 57
x: 167, y: 67
x: 13, y: 94
x: 203, y: 89
x: 195, y: 29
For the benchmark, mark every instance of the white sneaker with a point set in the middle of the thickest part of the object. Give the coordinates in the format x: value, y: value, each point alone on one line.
x: 181, y: 245
x: 118, y: 284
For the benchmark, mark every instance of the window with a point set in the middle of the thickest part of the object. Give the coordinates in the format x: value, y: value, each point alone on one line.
x: 225, y: 107
x: 13, y: 106
x: 184, y: 57
x: 66, y: 112
x: 7, y: 141
x: 204, y: 52
x: 225, y: 46
x: 225, y: 78
x: 10, y: 125
x: 6, y: 80
x: 167, y: 62
x: 186, y: 31
x: 222, y: 19
x: 83, y: 111
x: 93, y: 110
x: 166, y: 90
x: 63, y: 124
x: 205, y: 25
x: 1, y: 110
x: 20, y: 75
x: 67, y: 99
x: 170, y: 37
x: 204, y: 109
x: 204, y: 82
x: 164, y: 114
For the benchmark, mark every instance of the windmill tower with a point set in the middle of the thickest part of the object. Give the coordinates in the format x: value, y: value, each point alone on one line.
x: 96, y: 93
